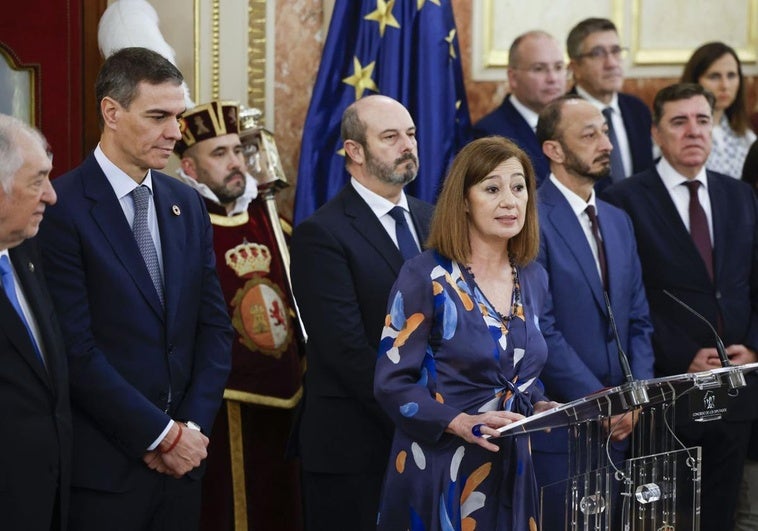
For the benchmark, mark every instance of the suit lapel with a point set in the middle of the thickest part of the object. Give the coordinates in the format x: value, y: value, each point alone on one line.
x: 420, y: 219
x: 109, y: 216
x: 664, y: 215
x: 566, y: 225
x: 173, y: 239
x: 719, y: 206
x: 613, y: 239
x: 14, y: 327
x: 368, y: 227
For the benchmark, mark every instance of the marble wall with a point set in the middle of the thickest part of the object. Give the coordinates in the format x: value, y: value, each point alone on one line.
x: 299, y: 38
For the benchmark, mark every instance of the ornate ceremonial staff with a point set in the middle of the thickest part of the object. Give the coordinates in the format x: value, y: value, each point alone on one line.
x: 263, y: 163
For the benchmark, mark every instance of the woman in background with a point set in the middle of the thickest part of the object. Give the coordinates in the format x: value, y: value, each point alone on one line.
x: 716, y: 67
x: 461, y: 352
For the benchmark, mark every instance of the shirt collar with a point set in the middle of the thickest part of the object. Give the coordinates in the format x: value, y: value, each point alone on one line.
x: 672, y: 178
x: 577, y: 204
x: 121, y: 183
x: 526, y: 113
x: 379, y: 205
x: 614, y: 104
x: 240, y: 204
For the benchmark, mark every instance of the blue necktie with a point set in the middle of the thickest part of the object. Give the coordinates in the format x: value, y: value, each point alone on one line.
x: 9, y: 285
x: 405, y: 241
x: 617, y: 164
x: 141, y: 197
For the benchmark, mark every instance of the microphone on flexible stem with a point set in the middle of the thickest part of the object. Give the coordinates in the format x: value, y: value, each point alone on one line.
x: 735, y: 376
x: 637, y: 394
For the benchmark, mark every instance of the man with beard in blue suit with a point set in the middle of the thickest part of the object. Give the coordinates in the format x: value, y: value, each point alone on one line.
x: 588, y: 249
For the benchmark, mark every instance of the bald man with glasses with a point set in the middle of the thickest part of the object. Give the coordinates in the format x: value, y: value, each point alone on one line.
x: 536, y: 76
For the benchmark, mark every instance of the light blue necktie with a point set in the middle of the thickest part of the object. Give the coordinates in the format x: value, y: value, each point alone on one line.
x: 405, y: 241
x: 9, y: 285
x: 141, y: 197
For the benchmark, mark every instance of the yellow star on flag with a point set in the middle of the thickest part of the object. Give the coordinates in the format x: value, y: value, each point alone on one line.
x: 450, y: 38
x: 383, y: 15
x: 421, y: 3
x: 361, y: 78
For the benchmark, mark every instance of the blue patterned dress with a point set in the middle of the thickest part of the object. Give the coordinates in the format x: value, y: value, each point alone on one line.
x: 445, y: 350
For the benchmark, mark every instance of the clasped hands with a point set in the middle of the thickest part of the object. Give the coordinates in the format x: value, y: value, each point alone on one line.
x: 176, y: 457
x: 707, y: 358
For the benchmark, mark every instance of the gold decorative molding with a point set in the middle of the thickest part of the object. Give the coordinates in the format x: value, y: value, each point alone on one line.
x: 196, y: 46
x: 650, y: 55
x: 498, y: 57
x: 256, y: 55
x: 215, y: 50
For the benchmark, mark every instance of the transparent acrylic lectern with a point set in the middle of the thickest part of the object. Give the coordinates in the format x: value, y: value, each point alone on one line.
x: 658, y: 487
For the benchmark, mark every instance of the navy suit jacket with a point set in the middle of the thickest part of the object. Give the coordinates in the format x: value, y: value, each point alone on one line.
x: 637, y: 123
x: 343, y: 266
x: 35, y: 422
x: 507, y: 121
x: 133, y: 365
x: 670, y: 261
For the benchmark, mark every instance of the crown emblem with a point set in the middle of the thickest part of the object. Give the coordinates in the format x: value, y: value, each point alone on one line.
x: 248, y: 258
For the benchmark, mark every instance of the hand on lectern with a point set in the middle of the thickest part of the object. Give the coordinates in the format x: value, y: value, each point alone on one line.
x: 471, y: 427
x: 621, y: 426
x: 544, y: 405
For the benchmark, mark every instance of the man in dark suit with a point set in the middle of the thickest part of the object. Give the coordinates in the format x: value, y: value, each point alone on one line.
x: 130, y: 264
x: 696, y: 235
x: 596, y: 64
x: 345, y: 259
x: 536, y: 76
x: 583, y: 269
x: 35, y: 423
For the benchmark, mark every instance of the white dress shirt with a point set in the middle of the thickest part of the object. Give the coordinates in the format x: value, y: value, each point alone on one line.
x: 579, y: 207
x: 680, y: 195
x: 618, y: 126
x: 381, y: 207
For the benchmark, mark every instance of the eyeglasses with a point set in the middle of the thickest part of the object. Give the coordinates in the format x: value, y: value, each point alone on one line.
x: 543, y: 69
x: 599, y: 52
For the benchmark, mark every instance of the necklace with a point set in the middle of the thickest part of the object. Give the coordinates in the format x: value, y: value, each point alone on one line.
x: 516, y: 305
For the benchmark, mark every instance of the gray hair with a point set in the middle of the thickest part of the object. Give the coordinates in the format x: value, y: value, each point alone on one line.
x: 10, y: 154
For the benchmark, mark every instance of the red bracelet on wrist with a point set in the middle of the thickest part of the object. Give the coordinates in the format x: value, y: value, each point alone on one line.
x: 176, y: 441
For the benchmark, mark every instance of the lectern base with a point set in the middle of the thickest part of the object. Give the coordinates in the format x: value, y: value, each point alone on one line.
x: 658, y: 492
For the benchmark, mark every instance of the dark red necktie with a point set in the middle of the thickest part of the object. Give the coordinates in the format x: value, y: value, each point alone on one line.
x: 599, y: 241
x: 699, y: 227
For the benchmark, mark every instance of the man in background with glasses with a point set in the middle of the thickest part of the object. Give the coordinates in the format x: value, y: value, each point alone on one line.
x: 596, y: 63
x: 536, y: 76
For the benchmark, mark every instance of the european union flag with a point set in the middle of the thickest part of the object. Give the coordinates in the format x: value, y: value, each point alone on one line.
x: 404, y: 49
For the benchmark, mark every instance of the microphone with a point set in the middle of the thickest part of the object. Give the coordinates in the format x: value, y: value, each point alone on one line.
x: 637, y: 393
x: 736, y: 378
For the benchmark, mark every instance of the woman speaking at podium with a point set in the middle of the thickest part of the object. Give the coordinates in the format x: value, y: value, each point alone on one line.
x: 461, y: 353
